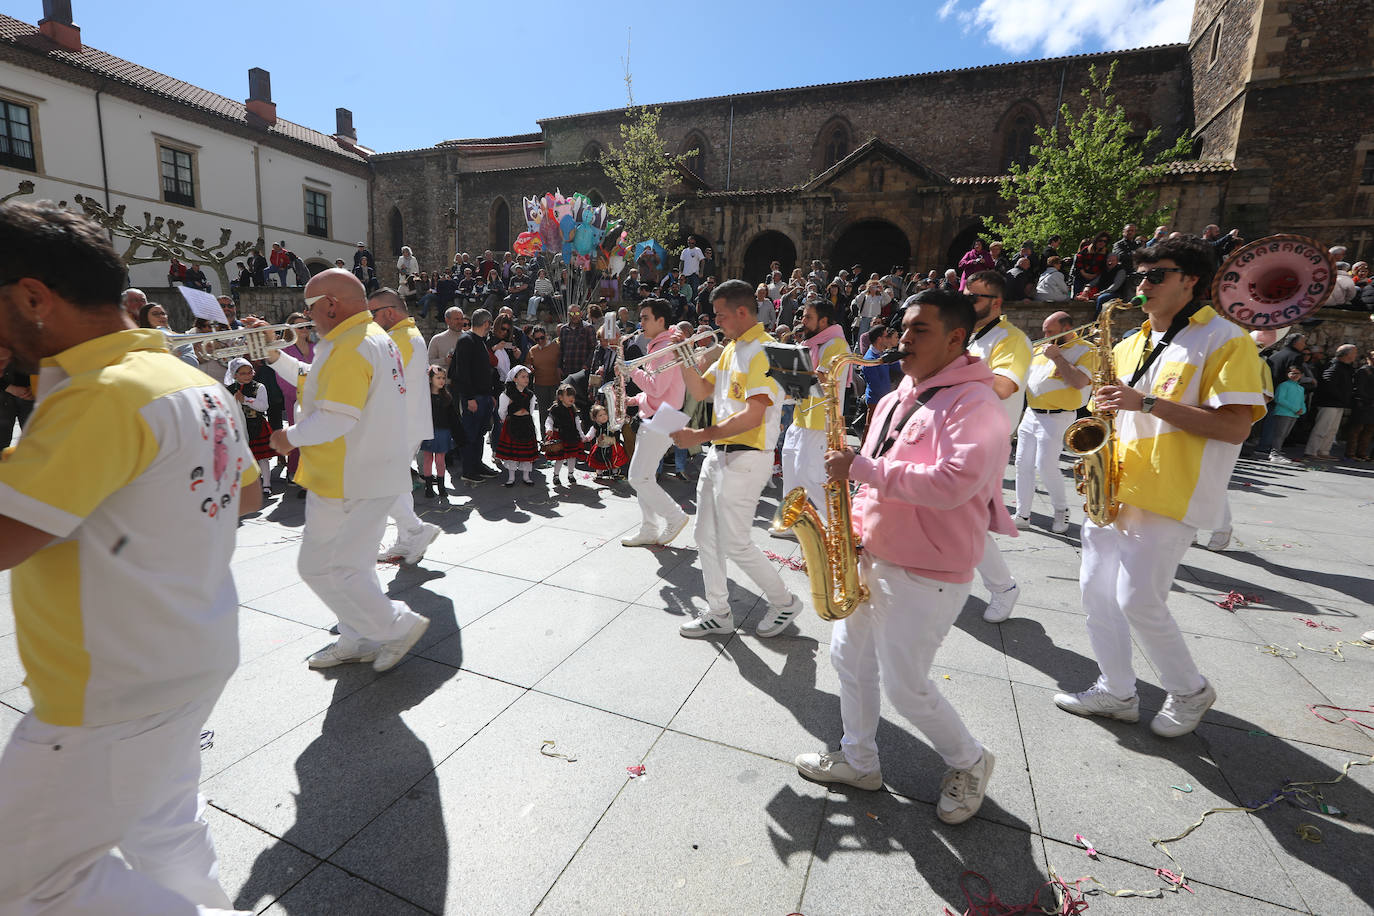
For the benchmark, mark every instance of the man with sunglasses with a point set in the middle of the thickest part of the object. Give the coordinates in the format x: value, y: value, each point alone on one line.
x: 1007, y: 351
x: 1189, y: 387
x: 352, y: 432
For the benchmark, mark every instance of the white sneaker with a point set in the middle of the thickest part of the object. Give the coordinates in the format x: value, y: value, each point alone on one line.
x: 1022, y: 522
x: 394, y: 552
x: 1182, y: 714
x: 962, y: 791
x: 1368, y: 637
x: 1000, y: 605
x: 782, y: 534
x: 779, y: 616
x: 415, y: 548
x: 1220, y: 538
x: 392, y: 652
x: 1061, y: 522
x: 643, y: 538
x: 334, y: 654
x: 674, y: 529
x: 1096, y: 701
x: 1276, y: 458
x: 833, y: 766
x: 708, y: 625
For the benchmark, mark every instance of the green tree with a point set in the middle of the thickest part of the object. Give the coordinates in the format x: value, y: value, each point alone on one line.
x: 1086, y: 174
x: 642, y: 171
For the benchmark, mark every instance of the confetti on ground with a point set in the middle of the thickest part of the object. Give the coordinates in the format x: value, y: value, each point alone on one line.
x: 1310, y: 833
x: 872, y: 815
x: 1315, y: 625
x: 1173, y: 879
x: 1233, y: 600
x: 1359, y: 712
x: 207, y: 739
x: 547, y: 750
x: 1277, y: 651
x: 636, y: 771
x: 1256, y: 733
x: 1334, y: 652
x: 798, y: 565
x: 1186, y: 787
x: 1087, y: 845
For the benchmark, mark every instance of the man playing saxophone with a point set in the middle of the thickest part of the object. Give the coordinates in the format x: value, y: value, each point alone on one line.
x: 739, y: 463
x: 930, y: 475
x: 1188, y: 387
x: 1060, y: 382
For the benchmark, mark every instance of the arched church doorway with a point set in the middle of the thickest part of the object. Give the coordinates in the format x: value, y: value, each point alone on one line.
x: 874, y: 244
x: 766, y: 248
x: 962, y: 244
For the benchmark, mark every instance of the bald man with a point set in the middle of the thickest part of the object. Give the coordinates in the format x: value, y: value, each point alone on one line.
x: 351, y: 429
x: 1058, y: 384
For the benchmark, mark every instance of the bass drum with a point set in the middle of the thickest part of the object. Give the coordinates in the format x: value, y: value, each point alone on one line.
x: 1274, y: 282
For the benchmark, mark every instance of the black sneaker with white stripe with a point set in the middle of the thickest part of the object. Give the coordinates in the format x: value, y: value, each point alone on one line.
x: 708, y: 625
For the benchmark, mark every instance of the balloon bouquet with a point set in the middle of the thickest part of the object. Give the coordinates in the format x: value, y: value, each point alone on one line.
x: 574, y: 240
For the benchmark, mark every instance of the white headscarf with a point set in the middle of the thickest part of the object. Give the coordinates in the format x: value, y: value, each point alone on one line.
x: 234, y: 365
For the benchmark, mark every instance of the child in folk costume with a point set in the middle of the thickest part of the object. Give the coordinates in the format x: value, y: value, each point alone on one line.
x: 519, y: 442
x: 252, y: 397
x: 563, y: 433
x: 447, y: 431
x: 606, y: 452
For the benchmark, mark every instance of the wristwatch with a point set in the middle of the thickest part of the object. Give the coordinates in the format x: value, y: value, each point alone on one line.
x: 1147, y: 403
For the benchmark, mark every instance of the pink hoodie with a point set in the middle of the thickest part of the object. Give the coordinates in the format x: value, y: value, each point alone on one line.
x: 664, y: 387
x: 927, y: 504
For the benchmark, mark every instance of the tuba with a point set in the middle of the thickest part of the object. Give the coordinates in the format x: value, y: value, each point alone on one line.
x: 832, y: 559
x: 1092, y: 440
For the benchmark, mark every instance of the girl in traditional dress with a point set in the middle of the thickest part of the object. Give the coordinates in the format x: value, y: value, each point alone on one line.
x: 606, y: 454
x: 252, y: 397
x: 563, y: 433
x: 519, y: 443
x: 446, y: 421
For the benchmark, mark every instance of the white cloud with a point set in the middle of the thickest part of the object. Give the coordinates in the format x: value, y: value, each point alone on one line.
x: 1055, y: 27
x: 946, y: 8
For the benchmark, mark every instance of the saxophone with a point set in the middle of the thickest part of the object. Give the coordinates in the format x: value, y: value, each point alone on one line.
x: 1097, y: 473
x: 832, y: 560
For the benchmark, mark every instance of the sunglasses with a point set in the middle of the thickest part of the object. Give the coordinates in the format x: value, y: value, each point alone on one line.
x: 1156, y: 274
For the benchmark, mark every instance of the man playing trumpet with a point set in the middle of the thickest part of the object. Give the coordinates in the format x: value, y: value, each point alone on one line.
x: 663, y: 519
x: 930, y: 475
x: 1059, y: 383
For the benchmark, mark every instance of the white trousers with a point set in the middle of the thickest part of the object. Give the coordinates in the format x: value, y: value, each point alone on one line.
x: 728, y: 494
x: 403, y: 512
x: 803, y: 464
x: 70, y: 795
x: 993, y: 569
x: 655, y: 505
x: 1323, y: 431
x: 1039, y: 442
x: 338, y: 560
x: 1127, y: 570
x: 892, y: 639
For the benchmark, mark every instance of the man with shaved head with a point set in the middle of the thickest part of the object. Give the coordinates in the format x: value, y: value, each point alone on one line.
x: 351, y: 429
x: 1059, y: 382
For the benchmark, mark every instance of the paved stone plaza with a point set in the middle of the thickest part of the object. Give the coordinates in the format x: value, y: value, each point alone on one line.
x: 425, y: 790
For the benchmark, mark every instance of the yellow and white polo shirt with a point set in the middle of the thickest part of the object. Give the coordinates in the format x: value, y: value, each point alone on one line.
x: 415, y: 357
x: 740, y: 373
x: 134, y: 461
x: 1007, y: 351
x: 810, y: 412
x: 357, y: 372
x: 1165, y: 470
x: 1046, y: 388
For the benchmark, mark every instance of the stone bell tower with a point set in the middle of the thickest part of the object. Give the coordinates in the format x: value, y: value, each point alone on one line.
x: 1283, y: 88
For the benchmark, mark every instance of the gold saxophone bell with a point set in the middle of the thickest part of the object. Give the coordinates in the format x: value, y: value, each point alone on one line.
x: 832, y: 555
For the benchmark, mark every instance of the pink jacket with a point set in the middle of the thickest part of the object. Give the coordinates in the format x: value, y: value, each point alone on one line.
x: 662, y: 388
x: 927, y: 504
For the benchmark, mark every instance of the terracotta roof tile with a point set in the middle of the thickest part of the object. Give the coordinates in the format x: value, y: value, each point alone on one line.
x: 22, y: 35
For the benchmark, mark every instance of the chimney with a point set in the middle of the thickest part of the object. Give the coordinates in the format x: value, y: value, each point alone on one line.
x: 57, y: 25
x: 343, y: 125
x: 262, y: 111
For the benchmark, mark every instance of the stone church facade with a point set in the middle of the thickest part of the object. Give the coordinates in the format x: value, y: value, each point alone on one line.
x: 1274, y: 93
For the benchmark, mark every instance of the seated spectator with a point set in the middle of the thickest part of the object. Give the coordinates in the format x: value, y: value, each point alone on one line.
x: 1113, y: 282
x: 1052, y: 287
x: 176, y: 273
x: 1017, y: 278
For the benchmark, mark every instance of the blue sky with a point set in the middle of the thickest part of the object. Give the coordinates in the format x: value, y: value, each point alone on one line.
x: 418, y: 72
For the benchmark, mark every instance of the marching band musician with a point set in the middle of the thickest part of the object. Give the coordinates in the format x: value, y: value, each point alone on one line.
x: 1007, y: 351
x: 663, y: 520
x: 413, y: 536
x: 1059, y: 384
x: 1189, y: 388
x: 125, y: 611
x: 930, y: 475
x: 803, y: 447
x: 352, y: 432
x: 748, y: 406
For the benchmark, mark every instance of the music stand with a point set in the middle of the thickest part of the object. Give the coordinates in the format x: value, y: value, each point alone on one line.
x: 791, y: 365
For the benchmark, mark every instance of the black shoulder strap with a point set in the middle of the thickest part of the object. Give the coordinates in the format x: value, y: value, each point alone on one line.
x: 888, y: 439
x: 1151, y: 353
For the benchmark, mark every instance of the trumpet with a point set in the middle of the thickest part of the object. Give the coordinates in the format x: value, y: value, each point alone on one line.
x: 683, y: 354
x: 1036, y: 344
x: 251, y: 343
